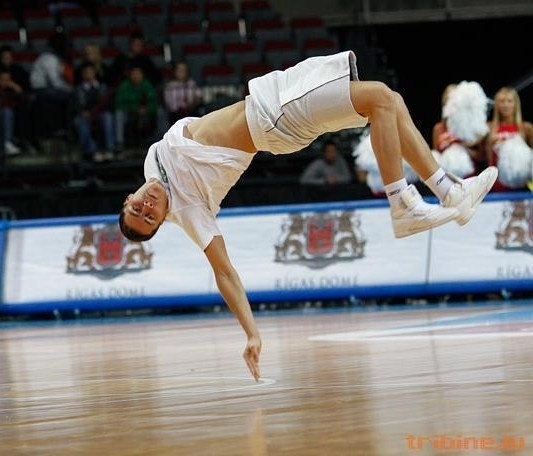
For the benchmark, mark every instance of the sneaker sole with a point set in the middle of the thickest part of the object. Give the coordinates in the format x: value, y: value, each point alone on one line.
x: 398, y: 234
x: 466, y: 214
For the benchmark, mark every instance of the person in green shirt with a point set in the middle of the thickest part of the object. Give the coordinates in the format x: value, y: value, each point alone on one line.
x: 135, y: 108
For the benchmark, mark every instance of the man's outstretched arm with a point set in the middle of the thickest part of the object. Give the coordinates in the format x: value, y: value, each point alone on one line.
x: 232, y: 290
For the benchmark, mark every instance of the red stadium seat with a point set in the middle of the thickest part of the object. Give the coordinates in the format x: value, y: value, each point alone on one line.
x: 179, y: 13
x: 182, y: 34
x: 308, y: 27
x: 222, y: 32
x: 152, y: 20
x: 237, y: 54
x: 281, y: 53
x: 112, y: 15
x: 220, y: 75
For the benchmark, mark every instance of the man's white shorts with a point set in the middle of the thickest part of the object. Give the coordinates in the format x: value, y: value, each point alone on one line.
x: 287, y: 110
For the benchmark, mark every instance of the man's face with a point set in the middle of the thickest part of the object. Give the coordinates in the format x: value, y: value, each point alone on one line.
x: 6, y: 58
x: 5, y: 79
x: 88, y: 74
x: 181, y: 73
x: 137, y: 46
x: 330, y: 153
x: 147, y: 208
x: 505, y: 103
x: 136, y: 76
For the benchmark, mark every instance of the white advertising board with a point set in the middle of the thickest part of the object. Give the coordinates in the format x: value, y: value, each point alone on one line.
x: 275, y: 252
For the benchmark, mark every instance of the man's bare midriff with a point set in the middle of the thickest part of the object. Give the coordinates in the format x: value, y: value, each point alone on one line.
x: 226, y: 127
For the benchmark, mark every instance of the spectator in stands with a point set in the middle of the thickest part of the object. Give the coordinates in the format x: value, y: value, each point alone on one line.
x: 182, y: 96
x: 18, y: 73
x: 135, y: 108
x: 461, y: 150
x: 509, y: 142
x: 51, y: 80
x: 10, y: 94
x: 92, y: 55
x: 329, y: 169
x: 135, y: 57
x: 24, y: 129
x: 93, y: 117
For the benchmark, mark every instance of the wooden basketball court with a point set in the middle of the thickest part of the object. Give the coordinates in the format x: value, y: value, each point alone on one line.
x: 430, y: 380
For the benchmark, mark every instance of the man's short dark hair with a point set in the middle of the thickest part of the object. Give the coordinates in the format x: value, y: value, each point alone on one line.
x: 86, y: 65
x: 130, y: 233
x: 328, y: 142
x: 136, y: 35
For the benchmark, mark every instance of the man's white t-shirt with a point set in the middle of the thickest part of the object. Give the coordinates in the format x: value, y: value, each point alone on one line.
x: 197, y: 179
x: 285, y: 111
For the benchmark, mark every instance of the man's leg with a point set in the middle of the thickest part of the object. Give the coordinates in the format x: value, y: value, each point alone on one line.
x: 410, y: 214
x: 83, y: 128
x: 379, y: 103
x: 392, y: 132
x: 107, y: 125
x: 465, y: 195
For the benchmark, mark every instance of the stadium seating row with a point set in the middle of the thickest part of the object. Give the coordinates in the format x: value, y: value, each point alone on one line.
x: 221, y: 44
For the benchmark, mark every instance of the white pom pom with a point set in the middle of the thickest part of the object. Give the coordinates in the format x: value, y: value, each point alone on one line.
x: 365, y: 159
x: 364, y: 155
x: 437, y: 156
x: 514, y: 162
x: 466, y: 112
x: 375, y: 183
x: 456, y: 160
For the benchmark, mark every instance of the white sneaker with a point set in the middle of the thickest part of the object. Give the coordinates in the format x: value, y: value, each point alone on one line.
x: 413, y: 214
x: 466, y: 194
x: 10, y: 148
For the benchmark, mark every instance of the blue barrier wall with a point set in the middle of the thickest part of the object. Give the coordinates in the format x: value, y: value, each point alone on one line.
x: 283, y: 253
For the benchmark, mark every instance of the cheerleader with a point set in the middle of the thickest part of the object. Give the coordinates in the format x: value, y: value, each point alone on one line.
x: 458, y: 138
x: 509, y: 142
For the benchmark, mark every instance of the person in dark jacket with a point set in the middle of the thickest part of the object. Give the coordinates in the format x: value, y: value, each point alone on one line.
x: 93, y: 119
x: 135, y: 57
